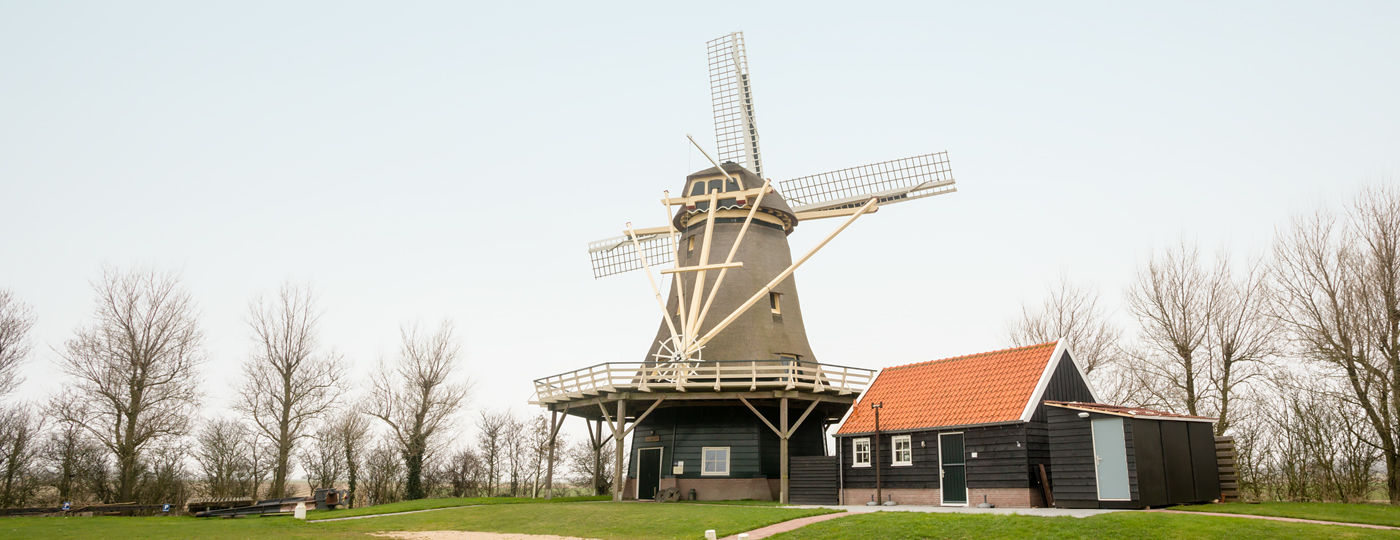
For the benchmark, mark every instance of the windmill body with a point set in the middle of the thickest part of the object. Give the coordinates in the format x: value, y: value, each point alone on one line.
x: 729, y: 393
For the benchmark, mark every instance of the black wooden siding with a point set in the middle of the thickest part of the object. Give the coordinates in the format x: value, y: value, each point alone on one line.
x: 1072, y: 457
x: 1169, y: 461
x: 812, y: 480
x: 1065, y: 385
x: 1000, y: 463
x: 683, y: 432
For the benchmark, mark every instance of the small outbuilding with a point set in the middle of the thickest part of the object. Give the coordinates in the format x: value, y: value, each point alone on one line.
x: 1108, y: 456
x: 1017, y: 428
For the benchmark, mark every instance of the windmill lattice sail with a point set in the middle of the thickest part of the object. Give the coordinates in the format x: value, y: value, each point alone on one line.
x: 617, y: 255
x: 891, y: 181
x: 731, y: 94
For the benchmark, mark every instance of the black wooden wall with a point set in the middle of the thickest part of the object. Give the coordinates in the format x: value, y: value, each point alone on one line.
x: 1000, y: 462
x: 683, y: 432
x: 1065, y: 385
x: 1169, y: 461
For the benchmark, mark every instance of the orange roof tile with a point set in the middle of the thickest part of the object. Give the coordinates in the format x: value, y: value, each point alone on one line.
x: 981, y: 388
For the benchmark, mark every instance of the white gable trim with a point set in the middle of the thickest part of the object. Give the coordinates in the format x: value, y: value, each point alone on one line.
x: 1061, y: 349
x: 859, y: 401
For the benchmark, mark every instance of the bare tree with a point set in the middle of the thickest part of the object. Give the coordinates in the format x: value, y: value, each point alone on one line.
x: 75, y: 464
x: 290, y: 382
x: 323, y: 460
x: 352, y: 435
x: 134, y: 368
x: 1172, y: 301
x: 418, y: 397
x: 589, y: 466
x: 491, y: 445
x: 465, y: 473
x: 222, y: 449
x: 1072, y: 313
x: 383, y: 474
x: 16, y: 320
x: 20, y: 429
x: 1338, y: 293
x: 1241, y: 335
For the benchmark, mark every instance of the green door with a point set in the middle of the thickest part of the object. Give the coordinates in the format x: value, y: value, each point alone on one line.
x: 952, y: 471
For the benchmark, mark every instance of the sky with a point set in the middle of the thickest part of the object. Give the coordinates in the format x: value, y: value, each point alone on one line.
x: 422, y: 161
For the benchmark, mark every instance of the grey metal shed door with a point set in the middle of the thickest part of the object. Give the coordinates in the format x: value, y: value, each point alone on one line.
x: 1111, y: 460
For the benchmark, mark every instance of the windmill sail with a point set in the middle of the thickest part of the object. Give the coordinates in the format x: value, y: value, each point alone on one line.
x: 892, y: 181
x: 612, y: 256
x: 731, y: 94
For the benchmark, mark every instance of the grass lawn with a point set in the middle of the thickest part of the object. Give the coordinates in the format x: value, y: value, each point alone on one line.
x: 594, y: 519
x: 1117, y: 525
x: 1375, y: 514
x: 427, y: 504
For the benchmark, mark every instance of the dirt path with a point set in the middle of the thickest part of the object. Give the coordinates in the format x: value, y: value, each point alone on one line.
x: 1277, y: 518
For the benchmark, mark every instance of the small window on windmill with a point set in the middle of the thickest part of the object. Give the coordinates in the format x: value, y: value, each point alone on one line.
x: 775, y: 303
x: 698, y: 188
x: 731, y: 184
x: 690, y: 244
x: 717, y: 186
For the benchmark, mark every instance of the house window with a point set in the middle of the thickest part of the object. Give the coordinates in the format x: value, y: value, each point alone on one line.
x: 775, y: 303
x: 715, y: 462
x: 860, y: 453
x: 903, y: 450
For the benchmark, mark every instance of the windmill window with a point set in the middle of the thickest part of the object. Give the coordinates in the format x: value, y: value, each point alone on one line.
x: 715, y: 461
x: 716, y: 186
x: 775, y: 303
x: 697, y: 189
x: 731, y: 185
x: 690, y: 244
x: 903, y: 450
x: 860, y: 453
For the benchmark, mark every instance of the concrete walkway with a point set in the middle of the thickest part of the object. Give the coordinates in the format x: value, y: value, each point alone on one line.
x: 1278, y: 518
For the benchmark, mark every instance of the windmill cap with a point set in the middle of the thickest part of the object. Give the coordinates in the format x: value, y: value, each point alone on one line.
x: 772, y: 203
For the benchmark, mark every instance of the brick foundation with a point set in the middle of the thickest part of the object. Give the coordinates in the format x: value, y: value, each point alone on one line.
x: 715, y: 489
x: 1002, y: 497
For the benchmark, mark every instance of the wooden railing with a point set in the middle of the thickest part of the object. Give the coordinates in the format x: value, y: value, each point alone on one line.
x: 703, y: 376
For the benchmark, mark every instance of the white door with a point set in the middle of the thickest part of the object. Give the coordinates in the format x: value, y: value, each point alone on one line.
x: 1111, y: 459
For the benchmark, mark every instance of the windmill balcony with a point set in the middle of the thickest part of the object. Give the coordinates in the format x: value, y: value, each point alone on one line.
x: 701, y: 377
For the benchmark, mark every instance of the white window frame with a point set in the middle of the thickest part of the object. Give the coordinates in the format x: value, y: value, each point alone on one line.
x: 855, y: 452
x: 894, y: 447
x: 704, y: 462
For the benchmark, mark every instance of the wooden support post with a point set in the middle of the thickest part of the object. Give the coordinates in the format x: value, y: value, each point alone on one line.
x: 549, y: 465
x: 555, y: 422
x: 783, y: 451
x: 617, y: 450
x: 597, y: 441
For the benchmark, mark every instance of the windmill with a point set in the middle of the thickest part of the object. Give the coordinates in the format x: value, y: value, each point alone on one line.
x: 724, y: 245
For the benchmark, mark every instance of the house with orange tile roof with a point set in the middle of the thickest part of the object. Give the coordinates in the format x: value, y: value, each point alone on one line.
x: 1017, y: 427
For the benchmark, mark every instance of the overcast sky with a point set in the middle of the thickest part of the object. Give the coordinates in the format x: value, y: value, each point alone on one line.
x: 420, y: 161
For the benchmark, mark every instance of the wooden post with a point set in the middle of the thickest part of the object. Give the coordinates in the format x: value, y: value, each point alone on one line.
x: 597, y: 455
x: 617, y: 450
x: 783, y: 451
x: 549, y: 467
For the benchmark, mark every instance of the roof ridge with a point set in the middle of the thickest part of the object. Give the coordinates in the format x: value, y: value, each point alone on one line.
x: 974, y: 355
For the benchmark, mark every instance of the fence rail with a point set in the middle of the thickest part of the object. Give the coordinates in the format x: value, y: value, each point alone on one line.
x: 702, y: 376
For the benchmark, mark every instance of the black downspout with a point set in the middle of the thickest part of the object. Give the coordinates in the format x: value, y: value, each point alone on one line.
x: 879, y: 496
